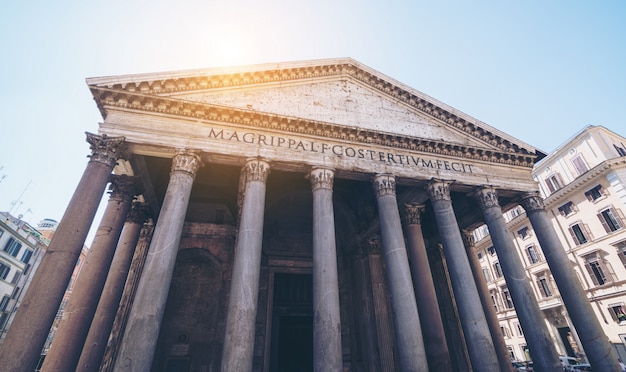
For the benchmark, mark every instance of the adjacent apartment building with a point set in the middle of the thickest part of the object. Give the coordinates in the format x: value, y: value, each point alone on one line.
x: 583, y: 183
x: 21, y: 249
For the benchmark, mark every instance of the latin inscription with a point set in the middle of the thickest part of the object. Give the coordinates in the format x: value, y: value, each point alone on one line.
x: 339, y: 150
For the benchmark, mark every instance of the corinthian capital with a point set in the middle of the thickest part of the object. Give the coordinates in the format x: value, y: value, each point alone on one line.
x: 105, y: 149
x: 413, y: 213
x: 321, y: 178
x: 123, y: 188
x: 384, y: 184
x: 487, y: 197
x: 439, y: 189
x: 532, y: 201
x: 256, y: 169
x: 186, y: 161
x: 139, y: 213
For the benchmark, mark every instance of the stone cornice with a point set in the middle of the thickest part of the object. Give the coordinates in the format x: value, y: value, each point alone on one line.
x: 591, y: 174
x: 108, y: 98
x: 153, y: 88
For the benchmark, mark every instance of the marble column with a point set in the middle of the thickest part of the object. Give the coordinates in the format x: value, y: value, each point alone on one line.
x: 244, y: 290
x: 411, y: 353
x: 96, y: 341
x: 488, y: 306
x: 598, y: 349
x: 142, y: 330
x: 477, y: 336
x: 326, y: 313
x: 541, y: 346
x: 22, y: 347
x: 78, y: 313
x: 430, y: 317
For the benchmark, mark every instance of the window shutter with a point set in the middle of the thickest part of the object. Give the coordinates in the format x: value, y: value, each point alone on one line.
x: 604, y: 224
x: 571, y: 231
x: 591, y: 273
x: 620, y: 216
x: 587, y: 231
x: 609, y: 270
x: 530, y: 259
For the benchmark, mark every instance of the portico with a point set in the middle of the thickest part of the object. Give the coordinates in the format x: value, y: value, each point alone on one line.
x: 278, y: 193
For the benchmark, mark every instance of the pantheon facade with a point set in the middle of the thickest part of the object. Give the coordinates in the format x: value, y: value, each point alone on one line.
x: 302, y: 216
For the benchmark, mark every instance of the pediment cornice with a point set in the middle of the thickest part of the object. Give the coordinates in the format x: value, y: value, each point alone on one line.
x: 126, y: 100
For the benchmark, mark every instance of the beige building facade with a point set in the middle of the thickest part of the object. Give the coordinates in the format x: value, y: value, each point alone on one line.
x: 582, y: 183
x: 296, y: 216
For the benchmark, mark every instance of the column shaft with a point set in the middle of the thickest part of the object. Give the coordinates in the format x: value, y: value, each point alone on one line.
x: 77, y: 316
x: 488, y: 307
x: 244, y: 290
x: 411, y: 351
x: 96, y: 341
x: 326, y: 312
x: 545, y: 357
x: 142, y: 330
x: 478, y: 339
x: 126, y: 303
x: 425, y: 295
x: 598, y: 349
x: 22, y: 347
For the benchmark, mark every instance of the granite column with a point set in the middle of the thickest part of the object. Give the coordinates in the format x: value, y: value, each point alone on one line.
x: 488, y: 306
x: 102, y: 323
x: 326, y: 313
x: 144, y: 322
x: 598, y: 349
x: 81, y: 307
x: 477, y: 336
x: 430, y: 317
x: 22, y: 347
x: 545, y: 357
x: 411, y: 352
x: 244, y: 290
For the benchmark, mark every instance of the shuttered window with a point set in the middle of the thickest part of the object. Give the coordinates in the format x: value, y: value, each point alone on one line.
x: 580, y: 233
x: 612, y: 219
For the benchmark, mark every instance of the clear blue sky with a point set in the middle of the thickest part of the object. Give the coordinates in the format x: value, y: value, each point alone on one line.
x: 538, y: 70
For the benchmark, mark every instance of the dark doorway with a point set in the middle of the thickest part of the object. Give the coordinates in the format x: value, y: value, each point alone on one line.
x: 292, y: 323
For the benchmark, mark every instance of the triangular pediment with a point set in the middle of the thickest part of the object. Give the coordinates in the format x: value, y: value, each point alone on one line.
x: 322, y: 93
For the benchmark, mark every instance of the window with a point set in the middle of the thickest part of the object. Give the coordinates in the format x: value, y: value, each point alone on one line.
x: 620, y: 150
x: 554, y: 182
x: 595, y: 193
x: 580, y: 233
x: 567, y: 209
x: 520, y: 331
x: 26, y: 256
x: 486, y: 274
x: 508, y: 302
x: 4, y: 271
x: 533, y: 254
x: 491, y: 250
x: 13, y: 247
x: 618, y: 312
x: 523, y: 233
x: 580, y: 164
x: 480, y: 256
x: 505, y: 332
x: 612, y: 219
x: 494, y: 299
x: 599, y: 270
x: 544, y: 284
x: 497, y: 269
x: 16, y: 277
x: 621, y: 251
x: 4, y: 302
